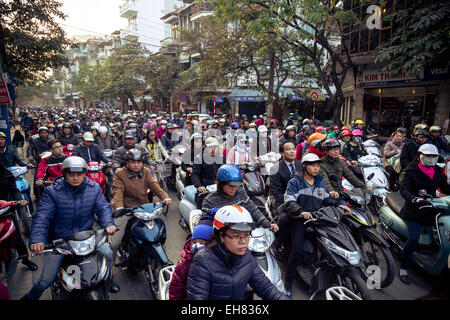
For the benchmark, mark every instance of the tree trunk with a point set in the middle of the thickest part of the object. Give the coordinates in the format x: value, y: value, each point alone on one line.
x: 270, y: 104
x: 133, y: 102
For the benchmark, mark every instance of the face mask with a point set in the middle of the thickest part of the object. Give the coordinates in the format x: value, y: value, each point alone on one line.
x: 163, y: 127
x: 196, y: 247
x: 252, y: 129
x: 428, y: 161
x: 357, y: 140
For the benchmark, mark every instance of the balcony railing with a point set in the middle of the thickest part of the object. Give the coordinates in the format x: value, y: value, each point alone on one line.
x: 128, y: 9
x: 130, y: 33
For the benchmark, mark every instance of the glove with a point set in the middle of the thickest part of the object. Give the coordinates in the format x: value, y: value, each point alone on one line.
x: 420, y: 201
x: 212, y: 211
x: 120, y: 212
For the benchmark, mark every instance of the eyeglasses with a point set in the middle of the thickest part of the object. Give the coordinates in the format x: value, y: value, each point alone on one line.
x: 245, y: 237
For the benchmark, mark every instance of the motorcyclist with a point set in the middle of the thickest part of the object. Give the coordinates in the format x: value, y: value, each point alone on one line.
x: 39, y: 145
x: 176, y: 120
x: 66, y: 208
x: 105, y: 140
x: 50, y: 167
x: 119, y: 157
x: 9, y: 155
x: 421, y: 174
x: 161, y: 129
x: 90, y: 151
x: 354, y: 149
x: 195, y: 148
x: 261, y: 144
x: 240, y: 153
x: 289, y: 135
x: 224, y: 270
x: 154, y: 146
x: 439, y: 141
x: 67, y: 136
x: 410, y: 149
x: 170, y: 138
x: 73, y: 126
x: 306, y: 192
x: 230, y: 191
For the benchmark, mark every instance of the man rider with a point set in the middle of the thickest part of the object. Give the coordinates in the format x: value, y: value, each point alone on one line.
x: 67, y: 208
x: 129, y: 142
x: 410, y: 149
x: 39, y: 145
x: 170, y: 138
x: 9, y: 155
x: 90, y: 151
x: 439, y: 141
x: 67, y: 136
x: 105, y: 140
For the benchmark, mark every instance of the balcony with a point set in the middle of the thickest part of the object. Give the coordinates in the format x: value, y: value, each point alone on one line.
x: 200, y: 10
x: 130, y: 33
x: 128, y: 9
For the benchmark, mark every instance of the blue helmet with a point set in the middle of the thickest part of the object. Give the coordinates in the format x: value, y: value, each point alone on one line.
x: 235, y: 125
x: 230, y: 174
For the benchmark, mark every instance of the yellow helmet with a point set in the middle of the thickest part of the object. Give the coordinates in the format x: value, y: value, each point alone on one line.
x: 359, y: 121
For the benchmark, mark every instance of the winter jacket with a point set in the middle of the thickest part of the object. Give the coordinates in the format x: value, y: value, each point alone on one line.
x: 177, y: 287
x: 8, y: 187
x: 415, y: 180
x: 440, y: 143
x: 93, y: 153
x: 50, y: 168
x: 10, y: 157
x: 237, y: 157
x: 259, y: 122
x: 170, y: 140
x: 351, y: 152
x: 65, y: 210
x: 337, y: 167
x: 204, y: 172
x: 131, y: 191
x: 300, y: 196
x: 86, y: 126
x: 70, y: 139
x: 217, y: 274
x: 391, y: 149
x: 37, y: 146
x: 409, y: 152
x: 159, y: 153
x: 160, y: 131
x: 219, y: 199
x: 178, y: 122
x: 108, y: 143
x: 119, y: 157
x: 280, y: 175
x: 285, y: 138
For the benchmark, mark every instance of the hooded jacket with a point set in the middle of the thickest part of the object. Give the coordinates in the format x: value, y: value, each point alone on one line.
x: 65, y: 210
x: 177, y: 288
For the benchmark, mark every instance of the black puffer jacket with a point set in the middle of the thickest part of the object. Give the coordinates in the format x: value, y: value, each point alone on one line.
x: 415, y: 180
x: 70, y: 139
x: 217, y: 274
x: 205, y: 174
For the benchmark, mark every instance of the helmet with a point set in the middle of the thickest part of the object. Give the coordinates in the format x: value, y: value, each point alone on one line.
x: 321, y: 129
x: 273, y: 121
x: 235, y: 125
x: 233, y: 217
x: 163, y: 122
x: 359, y: 121
x: 74, y: 164
x: 255, y: 117
x: 50, y: 125
x: 134, y: 154
x: 357, y: 132
x: 300, y: 118
x: 196, y: 135
x: 215, y: 122
x: 252, y: 125
x: 306, y: 121
x: 2, y: 135
x: 211, y: 142
x: 419, y: 126
x: 222, y: 120
x: 316, y: 136
x: 428, y: 149
x: 102, y: 130
x: 261, y: 116
x: 435, y: 129
x: 345, y: 128
x: 262, y: 128
x: 291, y: 127
x: 128, y: 134
x: 402, y: 130
x: 421, y: 132
x: 170, y: 126
x: 311, y: 158
x: 134, y: 125
x: 88, y: 136
x: 43, y: 128
x: 346, y: 133
x: 231, y: 174
x: 331, y: 143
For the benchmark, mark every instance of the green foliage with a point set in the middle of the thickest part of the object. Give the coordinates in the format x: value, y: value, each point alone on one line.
x: 31, y: 41
x: 421, y: 37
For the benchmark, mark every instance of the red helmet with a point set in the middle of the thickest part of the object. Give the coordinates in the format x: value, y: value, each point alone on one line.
x: 273, y: 121
x: 346, y: 133
x: 321, y: 129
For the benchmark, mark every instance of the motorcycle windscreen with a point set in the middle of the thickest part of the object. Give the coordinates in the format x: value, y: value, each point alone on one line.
x: 377, y: 177
x: 142, y: 233
x: 254, y: 183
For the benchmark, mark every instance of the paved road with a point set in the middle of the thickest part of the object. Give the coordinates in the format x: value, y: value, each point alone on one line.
x: 134, y: 286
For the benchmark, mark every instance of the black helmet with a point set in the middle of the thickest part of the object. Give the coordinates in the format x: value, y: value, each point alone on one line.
x: 435, y: 129
x: 129, y: 134
x: 330, y: 143
x: 66, y: 125
x: 134, y: 154
x: 402, y: 130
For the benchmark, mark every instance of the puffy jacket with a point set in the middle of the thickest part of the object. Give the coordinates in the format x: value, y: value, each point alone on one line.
x: 158, y: 150
x: 217, y: 274
x: 337, y: 168
x: 408, y: 153
x: 440, y: 143
x: 10, y: 157
x: 37, y: 146
x: 177, y: 288
x: 160, y: 131
x: 108, y: 143
x: 65, y: 210
x: 93, y: 153
x: 50, y: 168
x: 170, y: 140
x: 70, y: 139
x: 204, y: 174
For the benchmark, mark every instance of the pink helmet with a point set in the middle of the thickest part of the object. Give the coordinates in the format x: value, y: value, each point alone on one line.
x: 357, y: 132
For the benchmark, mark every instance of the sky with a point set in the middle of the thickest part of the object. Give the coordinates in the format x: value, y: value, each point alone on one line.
x: 103, y: 16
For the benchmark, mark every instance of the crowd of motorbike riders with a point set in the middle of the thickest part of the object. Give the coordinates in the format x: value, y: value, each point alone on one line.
x: 59, y: 145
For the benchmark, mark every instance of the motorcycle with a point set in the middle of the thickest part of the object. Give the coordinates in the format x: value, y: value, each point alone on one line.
x: 254, y: 183
x: 433, y: 249
x: 8, y: 253
x: 331, y: 256
x: 188, y: 206
x: 109, y: 174
x: 84, y: 272
x: 374, y: 248
x: 95, y: 173
x: 22, y: 184
x: 372, y: 148
x: 68, y: 149
x: 146, y: 234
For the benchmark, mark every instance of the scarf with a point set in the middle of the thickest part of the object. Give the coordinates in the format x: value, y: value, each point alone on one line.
x: 429, y: 171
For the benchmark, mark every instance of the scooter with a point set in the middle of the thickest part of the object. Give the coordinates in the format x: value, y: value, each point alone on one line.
x: 254, y: 183
x: 95, y: 173
x: 68, y: 149
x: 374, y: 248
x: 433, y: 250
x: 22, y: 184
x: 146, y: 234
x: 8, y: 253
x: 331, y: 256
x: 188, y: 206
x: 372, y: 148
x: 85, y: 272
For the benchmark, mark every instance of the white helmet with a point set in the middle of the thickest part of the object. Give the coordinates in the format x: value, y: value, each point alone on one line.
x: 211, y: 142
x: 262, y: 128
x: 233, y: 217
x: 428, y: 149
x: 88, y: 136
x: 310, y: 158
x: 163, y: 121
x: 102, y: 130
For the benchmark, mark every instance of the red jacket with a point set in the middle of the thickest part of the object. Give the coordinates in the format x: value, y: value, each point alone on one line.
x: 177, y: 288
x: 50, y: 168
x: 319, y: 153
x: 259, y: 122
x: 299, y: 151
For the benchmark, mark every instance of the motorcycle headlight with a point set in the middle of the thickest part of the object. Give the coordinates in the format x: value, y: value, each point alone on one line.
x: 83, y: 248
x: 259, y: 242
x: 94, y: 168
x: 63, y: 251
x: 351, y: 256
x: 147, y: 216
x: 108, y: 154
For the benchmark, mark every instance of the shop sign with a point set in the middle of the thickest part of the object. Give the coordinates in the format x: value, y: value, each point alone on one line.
x: 4, y: 93
x: 376, y: 76
x: 219, y: 100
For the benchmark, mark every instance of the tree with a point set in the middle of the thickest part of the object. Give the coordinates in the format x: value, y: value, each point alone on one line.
x: 92, y: 82
x: 305, y: 27
x: 39, y: 94
x: 31, y: 41
x: 421, y: 36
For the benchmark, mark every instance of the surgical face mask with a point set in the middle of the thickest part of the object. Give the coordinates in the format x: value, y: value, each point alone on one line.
x: 428, y: 161
x: 196, y: 247
x: 163, y: 127
x: 357, y: 140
